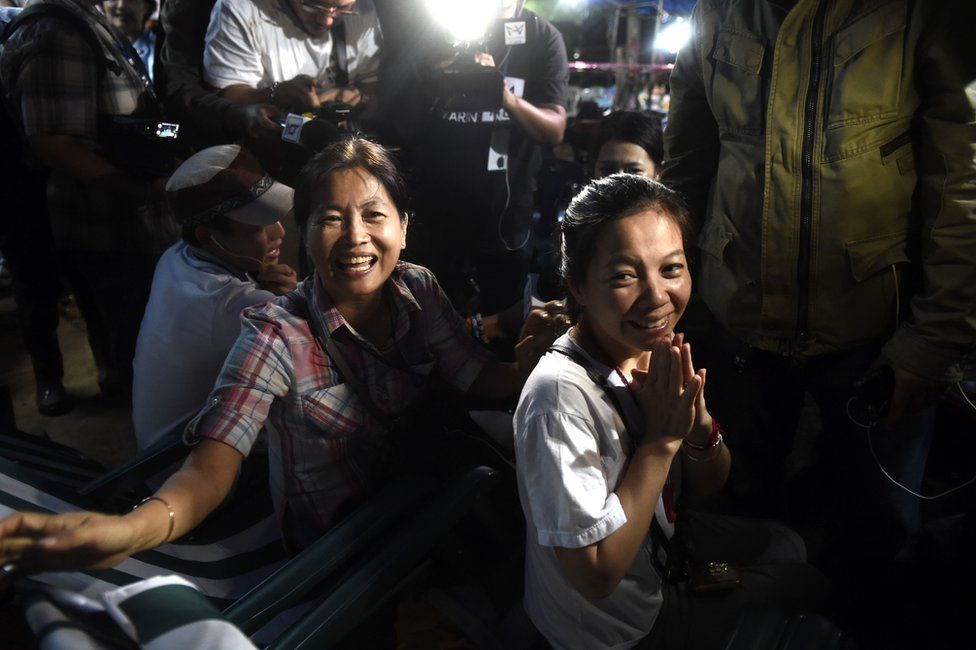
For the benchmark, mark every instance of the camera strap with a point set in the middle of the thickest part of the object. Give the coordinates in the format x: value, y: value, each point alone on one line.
x: 339, y: 55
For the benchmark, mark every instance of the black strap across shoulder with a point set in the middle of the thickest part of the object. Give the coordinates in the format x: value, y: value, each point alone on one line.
x: 338, y: 32
x: 671, y: 567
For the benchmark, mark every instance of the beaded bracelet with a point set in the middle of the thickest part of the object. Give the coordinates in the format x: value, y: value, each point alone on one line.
x: 169, y: 508
x: 477, y: 327
x: 274, y: 90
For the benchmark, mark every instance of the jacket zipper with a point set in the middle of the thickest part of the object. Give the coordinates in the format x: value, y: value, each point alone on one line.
x: 806, y: 192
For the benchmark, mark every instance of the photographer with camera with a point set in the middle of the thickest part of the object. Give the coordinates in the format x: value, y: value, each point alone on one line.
x: 206, y: 118
x: 85, y: 109
x: 295, y: 55
x: 497, y: 101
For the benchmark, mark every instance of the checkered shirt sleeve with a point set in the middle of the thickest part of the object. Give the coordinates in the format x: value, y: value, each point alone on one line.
x: 460, y: 358
x: 257, y: 370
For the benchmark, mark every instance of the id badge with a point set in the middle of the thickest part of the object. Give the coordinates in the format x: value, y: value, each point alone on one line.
x: 498, y: 150
x: 515, y: 33
x: 516, y: 85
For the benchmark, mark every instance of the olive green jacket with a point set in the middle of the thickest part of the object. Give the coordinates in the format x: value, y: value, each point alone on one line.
x: 829, y: 149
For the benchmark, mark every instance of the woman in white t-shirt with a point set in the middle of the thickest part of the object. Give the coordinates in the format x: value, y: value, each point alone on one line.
x: 611, y: 425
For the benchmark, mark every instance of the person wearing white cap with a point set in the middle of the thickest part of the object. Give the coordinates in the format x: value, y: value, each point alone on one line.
x: 230, y: 211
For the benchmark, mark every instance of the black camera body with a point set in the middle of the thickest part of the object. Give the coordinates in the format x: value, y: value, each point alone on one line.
x: 144, y: 146
x: 466, y: 85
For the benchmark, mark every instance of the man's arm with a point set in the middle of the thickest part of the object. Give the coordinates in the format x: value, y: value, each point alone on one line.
x: 942, y: 328
x: 541, y: 113
x: 66, y: 154
x: 231, y: 57
x: 545, y: 124
x: 500, y: 379
x: 691, y: 143
x: 178, y: 77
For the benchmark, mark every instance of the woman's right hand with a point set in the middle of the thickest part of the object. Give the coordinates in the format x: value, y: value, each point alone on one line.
x: 66, y: 542
x: 666, y: 397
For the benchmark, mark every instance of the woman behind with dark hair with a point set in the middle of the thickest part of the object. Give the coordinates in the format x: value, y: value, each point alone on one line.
x: 629, y: 142
x: 323, y: 369
x: 611, y: 426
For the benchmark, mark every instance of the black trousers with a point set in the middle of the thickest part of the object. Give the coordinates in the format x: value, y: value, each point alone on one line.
x: 758, y: 398
x: 28, y: 251
x: 112, y: 289
x: 770, y: 558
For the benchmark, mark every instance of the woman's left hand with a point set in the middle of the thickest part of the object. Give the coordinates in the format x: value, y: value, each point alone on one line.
x: 701, y: 428
x: 549, y: 320
x: 542, y: 326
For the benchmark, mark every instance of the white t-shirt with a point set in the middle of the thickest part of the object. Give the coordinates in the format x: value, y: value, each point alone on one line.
x: 571, y: 449
x: 258, y: 42
x: 191, y: 322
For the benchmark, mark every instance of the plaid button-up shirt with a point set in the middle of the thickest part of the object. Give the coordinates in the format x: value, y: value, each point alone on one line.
x: 323, y: 443
x: 56, y: 88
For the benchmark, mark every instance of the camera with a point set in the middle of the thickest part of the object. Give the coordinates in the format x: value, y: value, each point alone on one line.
x: 466, y: 85
x: 145, y: 146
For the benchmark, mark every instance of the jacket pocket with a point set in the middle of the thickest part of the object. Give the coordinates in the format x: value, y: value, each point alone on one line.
x: 715, y: 238
x: 738, y: 65
x: 867, y: 70
x: 869, y: 256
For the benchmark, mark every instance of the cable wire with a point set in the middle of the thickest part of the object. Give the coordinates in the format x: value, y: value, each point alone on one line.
x: 869, y: 428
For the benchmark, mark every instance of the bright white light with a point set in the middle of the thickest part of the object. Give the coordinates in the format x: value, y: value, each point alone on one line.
x: 673, y: 36
x: 572, y: 4
x: 465, y: 20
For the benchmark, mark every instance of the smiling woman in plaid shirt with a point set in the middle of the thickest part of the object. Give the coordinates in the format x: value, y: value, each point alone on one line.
x: 390, y: 323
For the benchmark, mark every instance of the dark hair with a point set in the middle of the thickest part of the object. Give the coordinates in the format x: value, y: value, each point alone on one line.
x: 602, y: 202
x: 638, y: 128
x: 348, y: 154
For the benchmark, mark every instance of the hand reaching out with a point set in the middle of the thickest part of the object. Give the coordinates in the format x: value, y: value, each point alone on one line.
x: 541, y: 327
x: 72, y: 541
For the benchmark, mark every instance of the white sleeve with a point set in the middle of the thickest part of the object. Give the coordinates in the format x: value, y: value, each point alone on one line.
x: 232, y: 54
x: 235, y: 298
x: 365, y: 40
x: 571, y: 501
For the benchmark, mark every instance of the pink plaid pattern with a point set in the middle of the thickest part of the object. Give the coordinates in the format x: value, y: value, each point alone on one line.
x: 323, y: 445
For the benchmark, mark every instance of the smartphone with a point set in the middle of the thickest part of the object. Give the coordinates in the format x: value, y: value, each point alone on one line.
x: 714, y: 577
x: 167, y: 130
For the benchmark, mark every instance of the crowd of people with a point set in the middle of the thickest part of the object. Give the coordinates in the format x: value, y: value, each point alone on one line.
x: 818, y: 155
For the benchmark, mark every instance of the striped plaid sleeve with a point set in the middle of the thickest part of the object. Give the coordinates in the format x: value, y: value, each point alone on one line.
x: 258, y: 369
x: 459, y: 356
x: 57, y: 88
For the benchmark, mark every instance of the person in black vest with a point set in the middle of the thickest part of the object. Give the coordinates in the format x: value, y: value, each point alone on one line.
x: 475, y: 166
